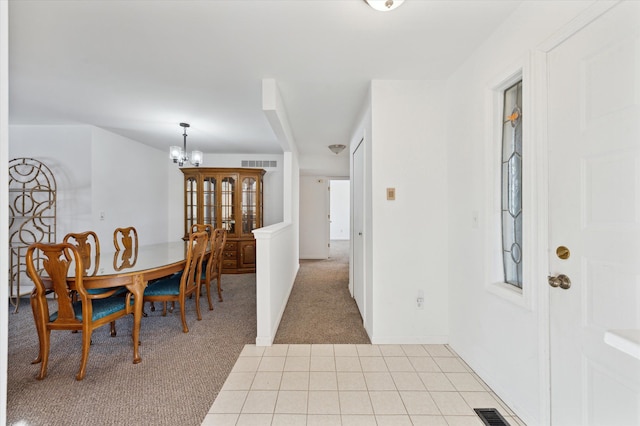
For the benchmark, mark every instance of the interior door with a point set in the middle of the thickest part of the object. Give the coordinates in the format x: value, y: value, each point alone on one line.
x: 358, y: 228
x: 594, y: 220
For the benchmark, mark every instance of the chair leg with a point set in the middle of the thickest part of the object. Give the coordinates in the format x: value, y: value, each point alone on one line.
x: 44, y: 351
x: 37, y: 317
x: 113, y: 329
x: 199, y: 316
x: 183, y: 316
x: 219, y: 288
x: 86, y: 342
x: 208, y: 286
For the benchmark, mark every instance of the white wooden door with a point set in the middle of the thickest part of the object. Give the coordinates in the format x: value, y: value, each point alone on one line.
x: 358, y: 228
x: 594, y: 211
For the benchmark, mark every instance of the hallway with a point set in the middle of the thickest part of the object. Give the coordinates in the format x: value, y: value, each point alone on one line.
x: 320, y: 308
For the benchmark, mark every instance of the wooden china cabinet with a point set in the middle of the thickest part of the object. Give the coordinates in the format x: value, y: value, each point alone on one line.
x: 228, y: 198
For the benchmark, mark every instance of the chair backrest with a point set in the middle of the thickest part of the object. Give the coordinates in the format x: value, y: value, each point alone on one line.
x: 196, y: 249
x: 125, y: 239
x: 88, y: 246
x: 199, y: 227
x: 217, y: 247
x: 55, y: 260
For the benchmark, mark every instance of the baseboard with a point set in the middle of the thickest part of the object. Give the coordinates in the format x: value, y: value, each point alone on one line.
x: 410, y: 340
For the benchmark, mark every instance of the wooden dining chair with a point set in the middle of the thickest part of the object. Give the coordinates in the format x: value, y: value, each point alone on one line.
x: 125, y: 240
x: 48, y: 266
x: 199, y: 227
x: 178, y: 287
x: 212, y: 270
x: 88, y: 246
x: 208, y: 261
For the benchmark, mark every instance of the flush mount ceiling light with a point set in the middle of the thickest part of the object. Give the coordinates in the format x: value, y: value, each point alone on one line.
x: 180, y: 156
x: 337, y: 148
x: 384, y: 5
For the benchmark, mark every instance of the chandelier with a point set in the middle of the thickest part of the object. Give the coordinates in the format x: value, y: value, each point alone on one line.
x: 179, y: 155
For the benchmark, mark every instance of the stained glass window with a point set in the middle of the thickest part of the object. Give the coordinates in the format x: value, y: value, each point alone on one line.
x: 512, y: 185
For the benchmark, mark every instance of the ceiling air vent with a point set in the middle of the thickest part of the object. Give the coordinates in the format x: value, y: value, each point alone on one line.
x: 491, y: 417
x: 259, y: 163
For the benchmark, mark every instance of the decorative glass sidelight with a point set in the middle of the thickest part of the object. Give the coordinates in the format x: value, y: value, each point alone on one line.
x: 512, y: 185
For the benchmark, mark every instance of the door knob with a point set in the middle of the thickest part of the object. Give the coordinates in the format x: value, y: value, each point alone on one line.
x: 560, y: 280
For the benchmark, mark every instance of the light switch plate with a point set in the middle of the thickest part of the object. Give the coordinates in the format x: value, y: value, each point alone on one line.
x: 391, y: 193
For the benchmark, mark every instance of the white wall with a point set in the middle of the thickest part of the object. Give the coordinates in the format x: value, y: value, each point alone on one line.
x: 498, y: 338
x: 277, y: 258
x: 4, y: 199
x: 82, y: 159
x: 132, y: 194
x: 408, y: 248
x: 339, y: 210
x: 314, y: 221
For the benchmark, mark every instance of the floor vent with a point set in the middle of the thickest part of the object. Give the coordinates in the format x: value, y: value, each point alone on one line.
x: 258, y: 163
x: 491, y: 417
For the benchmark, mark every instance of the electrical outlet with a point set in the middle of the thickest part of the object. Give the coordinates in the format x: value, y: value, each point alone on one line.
x: 420, y: 300
x: 101, y: 215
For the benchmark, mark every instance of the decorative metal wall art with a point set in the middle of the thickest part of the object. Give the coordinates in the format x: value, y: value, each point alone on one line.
x: 32, y: 218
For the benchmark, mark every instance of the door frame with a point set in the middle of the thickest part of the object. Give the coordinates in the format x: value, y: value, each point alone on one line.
x: 539, y: 102
x: 354, y: 238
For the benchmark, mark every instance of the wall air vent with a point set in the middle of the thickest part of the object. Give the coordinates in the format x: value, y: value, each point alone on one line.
x: 491, y: 417
x: 259, y: 163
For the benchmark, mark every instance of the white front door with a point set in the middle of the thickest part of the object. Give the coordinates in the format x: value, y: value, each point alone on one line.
x: 594, y: 211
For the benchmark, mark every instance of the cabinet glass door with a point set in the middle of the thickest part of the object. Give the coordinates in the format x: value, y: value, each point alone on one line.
x: 209, y: 201
x: 227, y: 204
x: 249, y: 213
x: 191, y: 203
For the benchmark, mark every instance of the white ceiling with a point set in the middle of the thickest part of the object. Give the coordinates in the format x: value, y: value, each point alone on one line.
x: 140, y: 67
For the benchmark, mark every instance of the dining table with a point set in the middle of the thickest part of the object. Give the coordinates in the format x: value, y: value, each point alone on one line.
x: 134, y: 269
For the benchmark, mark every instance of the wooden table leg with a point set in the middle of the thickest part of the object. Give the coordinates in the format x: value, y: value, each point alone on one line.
x: 137, y: 288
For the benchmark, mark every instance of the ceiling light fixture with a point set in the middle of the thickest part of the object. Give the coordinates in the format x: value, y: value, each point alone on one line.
x: 180, y: 156
x: 384, y: 5
x: 337, y: 148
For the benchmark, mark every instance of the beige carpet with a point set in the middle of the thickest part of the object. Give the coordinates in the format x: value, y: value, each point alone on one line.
x: 320, y: 307
x: 176, y: 383
x: 180, y: 374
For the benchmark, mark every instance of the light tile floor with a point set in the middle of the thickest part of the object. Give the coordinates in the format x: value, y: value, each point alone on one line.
x: 352, y: 385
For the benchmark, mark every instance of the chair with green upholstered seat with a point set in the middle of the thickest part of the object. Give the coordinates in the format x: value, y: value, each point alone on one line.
x: 88, y: 245
x: 48, y: 266
x: 178, y: 287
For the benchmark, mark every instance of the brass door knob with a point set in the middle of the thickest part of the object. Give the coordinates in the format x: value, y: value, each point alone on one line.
x: 560, y: 280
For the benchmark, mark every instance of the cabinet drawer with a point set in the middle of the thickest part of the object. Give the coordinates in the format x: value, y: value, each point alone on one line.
x: 229, y: 264
x: 231, y: 246
x: 229, y: 255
